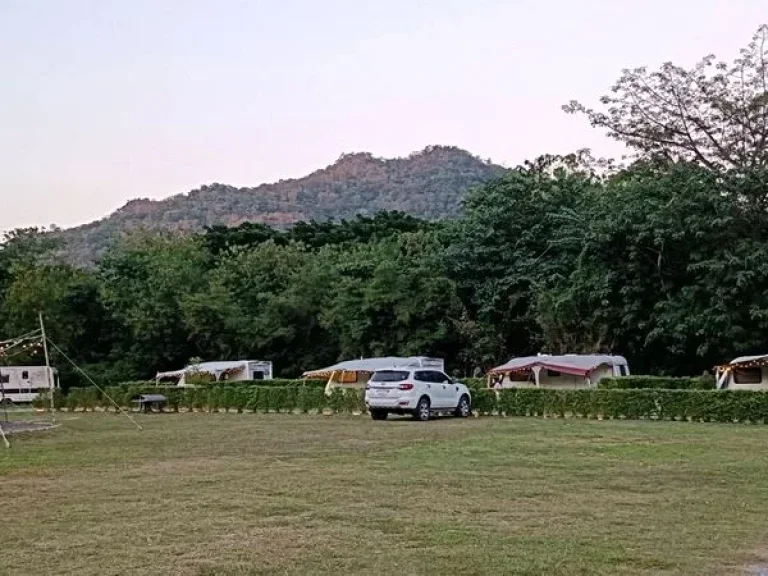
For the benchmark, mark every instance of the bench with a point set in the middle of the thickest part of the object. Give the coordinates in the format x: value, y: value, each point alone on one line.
x: 146, y: 402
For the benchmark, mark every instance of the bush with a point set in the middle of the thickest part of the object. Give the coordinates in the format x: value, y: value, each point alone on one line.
x: 648, y: 403
x: 310, y: 399
x: 641, y: 403
x: 275, y: 383
x: 658, y: 383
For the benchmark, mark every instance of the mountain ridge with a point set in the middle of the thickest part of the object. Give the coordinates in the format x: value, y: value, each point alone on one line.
x: 429, y: 184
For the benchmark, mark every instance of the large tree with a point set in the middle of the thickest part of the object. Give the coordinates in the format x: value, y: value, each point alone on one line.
x: 715, y: 113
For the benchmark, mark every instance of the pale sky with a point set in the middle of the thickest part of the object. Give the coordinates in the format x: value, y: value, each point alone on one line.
x: 103, y: 101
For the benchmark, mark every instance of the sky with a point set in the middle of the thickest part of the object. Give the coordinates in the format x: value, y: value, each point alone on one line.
x: 102, y: 101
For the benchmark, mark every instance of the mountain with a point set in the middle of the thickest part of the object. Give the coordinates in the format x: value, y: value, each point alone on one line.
x: 430, y: 184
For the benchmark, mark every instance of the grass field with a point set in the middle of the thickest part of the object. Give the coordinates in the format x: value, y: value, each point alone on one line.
x: 255, y: 494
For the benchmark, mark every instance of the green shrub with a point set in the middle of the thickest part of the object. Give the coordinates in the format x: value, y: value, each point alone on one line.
x: 652, y: 404
x: 336, y: 400
x: 475, y: 383
x: 658, y: 382
x: 309, y: 399
x: 275, y: 383
x: 640, y: 403
x: 484, y: 401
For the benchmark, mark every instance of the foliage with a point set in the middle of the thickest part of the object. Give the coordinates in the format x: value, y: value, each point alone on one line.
x: 291, y: 396
x: 658, y: 382
x: 715, y: 114
x: 649, y: 404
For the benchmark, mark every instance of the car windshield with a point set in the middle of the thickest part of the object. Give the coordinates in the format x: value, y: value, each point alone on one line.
x: 389, y: 376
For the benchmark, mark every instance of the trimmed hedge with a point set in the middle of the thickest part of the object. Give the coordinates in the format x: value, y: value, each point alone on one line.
x: 275, y: 383
x: 218, y: 398
x: 645, y: 404
x: 634, y: 404
x: 658, y: 383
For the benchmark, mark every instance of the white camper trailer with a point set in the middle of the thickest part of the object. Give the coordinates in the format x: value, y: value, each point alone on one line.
x: 356, y: 373
x: 566, y: 371
x: 21, y: 384
x: 223, y: 371
x: 744, y: 373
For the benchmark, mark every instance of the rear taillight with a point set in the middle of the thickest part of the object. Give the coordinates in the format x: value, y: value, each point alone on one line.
x: 406, y: 386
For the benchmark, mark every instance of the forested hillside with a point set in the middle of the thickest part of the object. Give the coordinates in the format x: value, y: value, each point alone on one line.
x: 430, y: 184
x: 664, y: 260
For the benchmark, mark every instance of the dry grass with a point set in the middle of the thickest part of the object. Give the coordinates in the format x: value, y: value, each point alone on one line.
x: 254, y: 494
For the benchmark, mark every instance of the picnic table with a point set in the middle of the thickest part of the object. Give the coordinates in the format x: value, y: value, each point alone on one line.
x: 146, y: 402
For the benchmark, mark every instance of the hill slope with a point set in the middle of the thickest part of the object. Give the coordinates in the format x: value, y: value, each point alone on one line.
x: 429, y: 184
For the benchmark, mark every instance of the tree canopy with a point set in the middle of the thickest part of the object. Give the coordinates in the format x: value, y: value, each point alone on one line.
x: 715, y: 113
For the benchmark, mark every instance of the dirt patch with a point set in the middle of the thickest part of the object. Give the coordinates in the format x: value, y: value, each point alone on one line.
x: 19, y: 427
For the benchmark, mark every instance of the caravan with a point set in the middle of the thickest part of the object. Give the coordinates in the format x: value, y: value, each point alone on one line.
x: 22, y: 384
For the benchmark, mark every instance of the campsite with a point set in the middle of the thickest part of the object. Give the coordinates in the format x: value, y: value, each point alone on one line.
x: 283, y: 324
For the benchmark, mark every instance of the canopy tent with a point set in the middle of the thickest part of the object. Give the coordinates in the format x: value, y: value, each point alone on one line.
x: 725, y: 373
x: 349, y: 371
x: 580, y: 365
x: 220, y: 370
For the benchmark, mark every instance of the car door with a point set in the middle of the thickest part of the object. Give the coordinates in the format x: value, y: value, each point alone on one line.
x: 427, y: 386
x: 448, y: 390
x: 438, y: 390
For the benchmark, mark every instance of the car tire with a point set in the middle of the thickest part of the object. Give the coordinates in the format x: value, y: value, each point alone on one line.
x: 463, y: 408
x: 379, y: 414
x: 423, y: 408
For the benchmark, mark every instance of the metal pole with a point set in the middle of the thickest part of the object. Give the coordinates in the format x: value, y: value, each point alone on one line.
x: 47, y: 365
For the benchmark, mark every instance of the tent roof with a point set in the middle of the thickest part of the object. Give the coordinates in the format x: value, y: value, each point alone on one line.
x: 369, y: 365
x: 215, y: 368
x: 744, y: 359
x: 578, y: 364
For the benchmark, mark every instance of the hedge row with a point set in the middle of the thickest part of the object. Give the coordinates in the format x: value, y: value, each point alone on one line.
x: 213, y: 398
x: 650, y: 404
x: 658, y: 383
x: 277, y: 382
x: 632, y: 383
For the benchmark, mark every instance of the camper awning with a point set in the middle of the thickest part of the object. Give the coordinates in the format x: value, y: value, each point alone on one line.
x: 746, y: 361
x: 363, y: 365
x: 216, y: 369
x: 576, y: 365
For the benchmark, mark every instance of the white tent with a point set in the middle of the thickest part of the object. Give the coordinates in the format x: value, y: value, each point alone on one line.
x: 565, y: 371
x: 356, y: 373
x: 227, y: 370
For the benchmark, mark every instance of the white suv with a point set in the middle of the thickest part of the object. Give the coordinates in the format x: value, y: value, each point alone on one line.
x: 417, y: 391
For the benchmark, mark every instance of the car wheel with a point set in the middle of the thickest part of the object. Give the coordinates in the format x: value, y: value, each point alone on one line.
x: 463, y: 409
x: 422, y: 409
x: 379, y: 414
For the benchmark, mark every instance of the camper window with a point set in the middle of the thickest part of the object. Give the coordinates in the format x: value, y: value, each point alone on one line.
x: 257, y: 375
x: 553, y: 373
x: 747, y: 375
x: 5, y: 379
x: 25, y: 375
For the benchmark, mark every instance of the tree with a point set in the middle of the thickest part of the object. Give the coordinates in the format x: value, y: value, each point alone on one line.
x: 145, y: 280
x: 715, y: 114
x: 509, y: 246
x: 391, y: 298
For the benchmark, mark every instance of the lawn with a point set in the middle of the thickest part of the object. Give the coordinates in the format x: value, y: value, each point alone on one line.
x: 256, y: 494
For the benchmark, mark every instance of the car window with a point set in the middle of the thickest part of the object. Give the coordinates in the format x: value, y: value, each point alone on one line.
x: 390, y: 376
x: 422, y: 376
x: 442, y: 377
